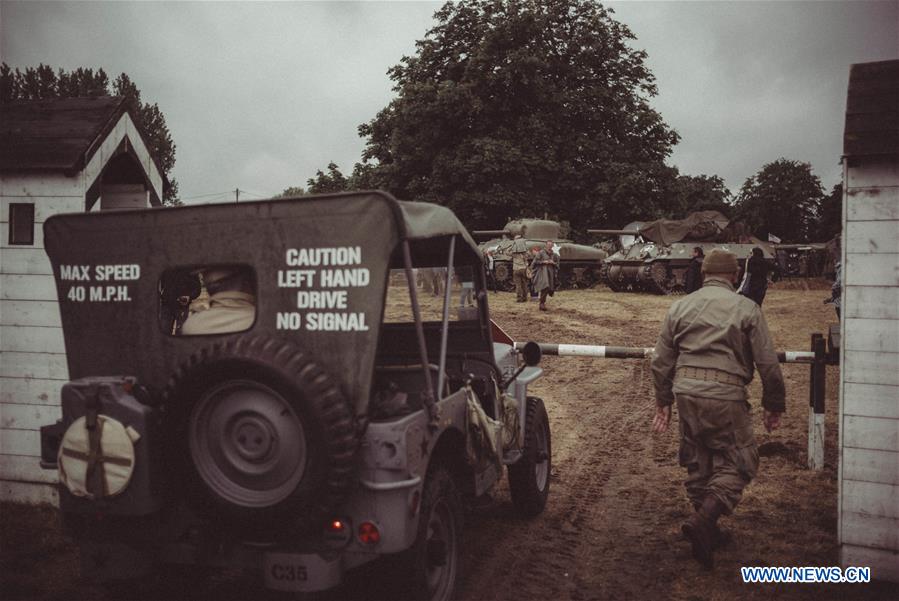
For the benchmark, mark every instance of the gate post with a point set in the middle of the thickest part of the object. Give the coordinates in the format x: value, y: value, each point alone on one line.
x: 816, y: 391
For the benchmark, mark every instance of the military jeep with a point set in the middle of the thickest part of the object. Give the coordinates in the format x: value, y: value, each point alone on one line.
x: 262, y: 386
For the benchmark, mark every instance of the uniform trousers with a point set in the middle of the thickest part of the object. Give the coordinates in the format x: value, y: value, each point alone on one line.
x: 717, y: 447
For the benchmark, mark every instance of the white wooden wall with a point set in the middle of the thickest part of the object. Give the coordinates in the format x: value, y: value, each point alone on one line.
x: 869, y: 380
x: 124, y: 196
x: 32, y: 352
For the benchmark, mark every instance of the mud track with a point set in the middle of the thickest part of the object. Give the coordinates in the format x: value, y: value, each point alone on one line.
x: 611, y: 527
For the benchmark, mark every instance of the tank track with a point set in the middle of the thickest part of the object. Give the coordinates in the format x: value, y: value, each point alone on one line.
x: 655, y: 278
x: 607, y: 280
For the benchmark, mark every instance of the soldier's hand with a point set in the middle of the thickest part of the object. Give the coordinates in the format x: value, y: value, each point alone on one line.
x: 662, y: 419
x: 772, y: 420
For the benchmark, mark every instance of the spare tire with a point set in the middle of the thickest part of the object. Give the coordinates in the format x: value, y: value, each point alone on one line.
x: 264, y: 433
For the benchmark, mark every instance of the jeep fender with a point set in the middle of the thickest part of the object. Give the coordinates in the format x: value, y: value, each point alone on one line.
x: 395, y: 457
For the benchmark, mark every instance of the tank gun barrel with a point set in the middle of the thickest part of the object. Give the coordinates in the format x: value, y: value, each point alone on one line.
x: 810, y: 245
x: 485, y: 233
x: 615, y: 232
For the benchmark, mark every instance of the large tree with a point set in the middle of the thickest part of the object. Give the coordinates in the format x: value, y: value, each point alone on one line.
x: 332, y: 181
x: 42, y: 82
x: 830, y: 218
x: 291, y: 191
x: 513, y: 108
x: 784, y: 199
x: 699, y: 193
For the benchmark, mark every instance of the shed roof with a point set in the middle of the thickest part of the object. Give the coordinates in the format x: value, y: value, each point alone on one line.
x: 56, y: 134
x: 872, y: 110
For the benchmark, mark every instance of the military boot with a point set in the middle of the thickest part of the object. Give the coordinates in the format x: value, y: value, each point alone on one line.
x: 722, y: 537
x: 700, y: 529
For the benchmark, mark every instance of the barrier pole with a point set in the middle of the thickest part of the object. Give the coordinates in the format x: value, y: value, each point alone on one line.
x: 639, y: 352
x: 816, y: 358
x: 816, y: 392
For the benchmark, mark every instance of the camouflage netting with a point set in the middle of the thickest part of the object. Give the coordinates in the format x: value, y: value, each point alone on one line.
x: 701, y: 226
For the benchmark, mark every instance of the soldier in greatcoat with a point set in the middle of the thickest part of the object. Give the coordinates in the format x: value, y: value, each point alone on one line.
x: 545, y: 268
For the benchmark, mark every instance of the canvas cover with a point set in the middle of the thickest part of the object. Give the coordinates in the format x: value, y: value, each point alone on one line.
x: 108, y: 266
x: 114, y: 458
x: 538, y: 229
x: 701, y: 226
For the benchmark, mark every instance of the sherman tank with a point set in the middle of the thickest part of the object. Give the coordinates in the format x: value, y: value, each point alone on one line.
x: 654, y: 256
x: 579, y: 264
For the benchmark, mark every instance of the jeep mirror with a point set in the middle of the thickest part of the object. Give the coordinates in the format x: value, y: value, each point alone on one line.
x: 531, y: 353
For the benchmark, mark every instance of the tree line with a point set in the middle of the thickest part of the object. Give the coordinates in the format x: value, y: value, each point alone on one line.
x: 37, y: 83
x: 517, y: 108
x: 513, y: 108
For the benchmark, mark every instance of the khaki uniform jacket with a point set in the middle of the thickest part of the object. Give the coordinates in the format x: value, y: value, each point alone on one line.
x: 519, y: 254
x: 229, y: 311
x: 718, y: 329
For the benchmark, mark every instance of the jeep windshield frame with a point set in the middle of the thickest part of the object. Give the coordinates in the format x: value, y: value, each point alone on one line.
x: 468, y: 338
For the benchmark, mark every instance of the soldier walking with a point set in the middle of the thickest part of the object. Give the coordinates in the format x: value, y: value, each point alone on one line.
x: 520, y: 268
x: 709, y: 345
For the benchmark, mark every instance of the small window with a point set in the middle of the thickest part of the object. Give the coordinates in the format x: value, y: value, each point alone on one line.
x: 21, y: 223
x: 212, y: 299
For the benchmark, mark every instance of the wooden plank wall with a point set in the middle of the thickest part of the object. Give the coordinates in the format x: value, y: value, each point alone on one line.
x: 32, y: 354
x: 869, y: 379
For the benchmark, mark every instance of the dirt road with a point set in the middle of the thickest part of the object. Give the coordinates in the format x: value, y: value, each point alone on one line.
x: 611, y: 528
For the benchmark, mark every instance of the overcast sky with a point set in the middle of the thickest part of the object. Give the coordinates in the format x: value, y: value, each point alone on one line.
x: 258, y: 96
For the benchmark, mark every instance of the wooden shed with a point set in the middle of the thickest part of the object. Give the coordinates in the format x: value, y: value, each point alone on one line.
x: 869, y: 378
x: 56, y: 156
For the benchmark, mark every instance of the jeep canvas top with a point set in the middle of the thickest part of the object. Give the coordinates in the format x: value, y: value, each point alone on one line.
x: 263, y: 385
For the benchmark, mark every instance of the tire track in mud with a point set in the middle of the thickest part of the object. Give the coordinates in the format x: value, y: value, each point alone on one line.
x: 611, y: 527
x: 594, y: 540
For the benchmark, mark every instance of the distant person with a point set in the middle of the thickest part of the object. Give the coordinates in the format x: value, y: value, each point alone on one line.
x: 755, y: 280
x: 545, y: 266
x: 490, y: 269
x: 434, y: 280
x: 711, y: 343
x: 520, y: 268
x: 693, y: 277
x: 466, y: 296
x: 533, y: 294
x: 836, y: 289
x: 232, y: 303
